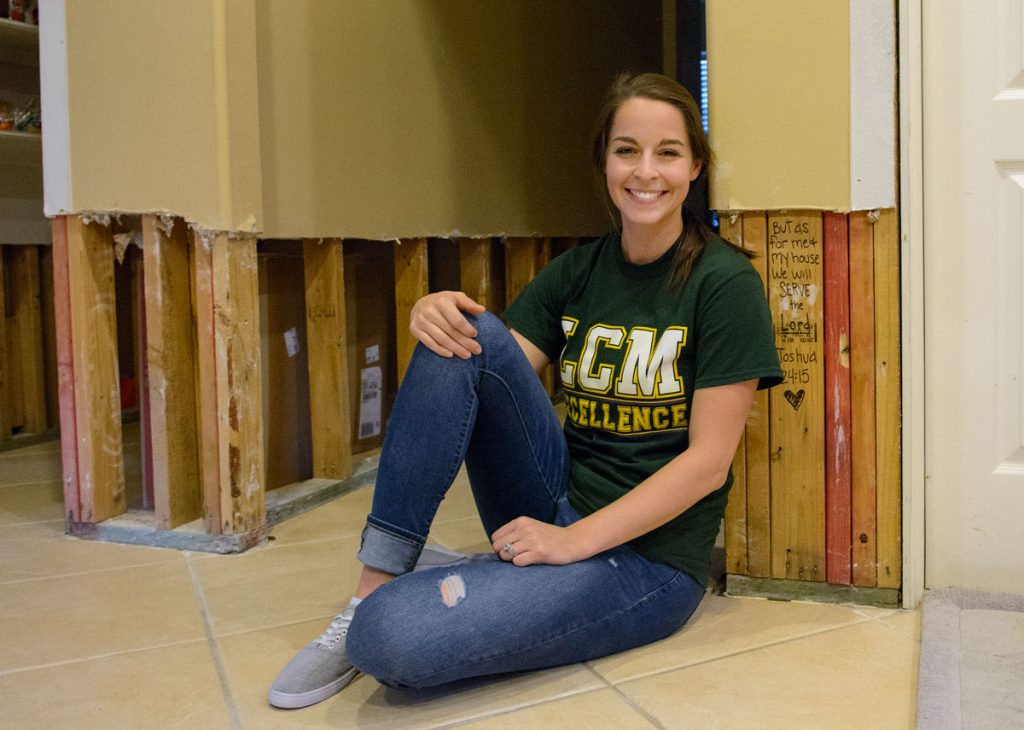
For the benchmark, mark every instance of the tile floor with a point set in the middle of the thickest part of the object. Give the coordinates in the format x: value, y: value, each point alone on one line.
x: 96, y: 635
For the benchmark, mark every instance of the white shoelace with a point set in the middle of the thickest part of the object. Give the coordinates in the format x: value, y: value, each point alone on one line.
x: 337, y: 630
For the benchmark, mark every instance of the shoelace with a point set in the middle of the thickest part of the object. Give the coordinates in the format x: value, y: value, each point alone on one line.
x: 336, y: 631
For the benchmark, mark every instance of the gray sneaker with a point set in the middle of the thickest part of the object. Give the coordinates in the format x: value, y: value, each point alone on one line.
x: 320, y: 670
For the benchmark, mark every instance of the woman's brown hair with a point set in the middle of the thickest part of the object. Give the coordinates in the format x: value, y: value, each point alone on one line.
x: 659, y: 88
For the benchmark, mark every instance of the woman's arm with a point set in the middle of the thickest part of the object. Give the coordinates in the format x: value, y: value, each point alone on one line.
x: 718, y: 417
x: 538, y: 360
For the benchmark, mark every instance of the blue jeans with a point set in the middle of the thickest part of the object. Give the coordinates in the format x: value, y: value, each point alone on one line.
x: 487, y: 616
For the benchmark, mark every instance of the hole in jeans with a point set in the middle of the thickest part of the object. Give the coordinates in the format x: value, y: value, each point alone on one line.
x: 453, y: 590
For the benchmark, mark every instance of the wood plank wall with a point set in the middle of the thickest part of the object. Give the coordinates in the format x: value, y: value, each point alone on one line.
x: 27, y: 377
x: 827, y: 509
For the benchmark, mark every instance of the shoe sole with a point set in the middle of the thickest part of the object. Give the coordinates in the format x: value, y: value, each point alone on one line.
x: 293, y: 700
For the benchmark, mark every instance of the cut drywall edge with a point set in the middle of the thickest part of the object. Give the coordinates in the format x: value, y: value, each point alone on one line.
x: 872, y: 105
x: 53, y: 80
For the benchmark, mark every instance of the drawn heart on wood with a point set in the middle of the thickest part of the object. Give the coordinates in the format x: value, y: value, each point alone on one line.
x: 795, y: 399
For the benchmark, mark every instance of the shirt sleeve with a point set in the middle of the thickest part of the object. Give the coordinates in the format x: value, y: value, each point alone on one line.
x: 735, y: 339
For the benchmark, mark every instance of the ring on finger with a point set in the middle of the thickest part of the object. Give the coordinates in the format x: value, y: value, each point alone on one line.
x: 507, y: 548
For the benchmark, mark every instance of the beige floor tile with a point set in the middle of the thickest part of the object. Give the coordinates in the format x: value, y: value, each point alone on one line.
x: 34, y: 502
x: 253, y: 659
x: 89, y: 615
x: 727, y: 625
x: 341, y: 517
x: 45, y: 447
x: 465, y: 535
x: 861, y: 676
x: 174, y: 686
x: 278, y: 584
x: 18, y: 468
x: 598, y: 710
x: 906, y: 622
x: 346, y: 516
x: 42, y: 550
x: 458, y: 503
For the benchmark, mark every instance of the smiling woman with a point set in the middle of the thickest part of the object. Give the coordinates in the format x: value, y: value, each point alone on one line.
x: 648, y: 171
x: 653, y: 111
x: 661, y: 334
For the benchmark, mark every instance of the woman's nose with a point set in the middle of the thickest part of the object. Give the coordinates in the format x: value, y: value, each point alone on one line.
x: 645, y: 167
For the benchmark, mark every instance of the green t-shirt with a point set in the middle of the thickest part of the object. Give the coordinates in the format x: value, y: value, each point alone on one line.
x: 630, y: 353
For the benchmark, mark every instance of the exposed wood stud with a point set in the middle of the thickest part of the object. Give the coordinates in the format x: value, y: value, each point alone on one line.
x: 862, y: 367
x: 27, y: 329
x: 476, y: 275
x: 887, y: 398
x: 65, y: 370
x: 327, y: 349
x: 838, y: 423
x: 6, y: 394
x: 169, y: 374
x: 46, y: 294
x: 731, y: 230
x: 411, y: 284
x: 97, y: 401
x: 758, y: 465
x: 797, y: 406
x: 226, y: 291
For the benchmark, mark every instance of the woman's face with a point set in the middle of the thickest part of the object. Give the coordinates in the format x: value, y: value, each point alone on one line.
x: 649, y: 166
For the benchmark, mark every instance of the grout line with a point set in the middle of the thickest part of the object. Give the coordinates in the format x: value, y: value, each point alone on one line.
x: 55, y: 520
x: 52, y: 482
x: 271, y: 627
x: 75, y: 574
x: 513, y: 709
x: 656, y: 672
x: 626, y: 698
x: 218, y: 658
x: 97, y: 657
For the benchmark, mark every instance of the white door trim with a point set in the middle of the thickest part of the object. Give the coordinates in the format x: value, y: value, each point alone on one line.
x: 912, y: 296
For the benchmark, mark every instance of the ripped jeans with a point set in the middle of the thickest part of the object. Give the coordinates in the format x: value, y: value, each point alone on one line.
x: 487, y: 616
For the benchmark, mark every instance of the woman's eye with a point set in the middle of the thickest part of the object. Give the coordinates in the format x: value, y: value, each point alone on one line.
x: 670, y: 153
x: 623, y: 150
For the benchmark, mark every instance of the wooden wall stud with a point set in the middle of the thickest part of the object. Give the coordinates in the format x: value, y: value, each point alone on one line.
x: 49, y: 338
x: 170, y: 376
x: 226, y: 302
x: 6, y: 397
x: 411, y: 283
x: 476, y: 272
x: 27, y: 330
x: 797, y: 406
x: 327, y: 350
x: 862, y: 366
x: 838, y: 422
x: 758, y: 450
x: 731, y: 229
x: 887, y: 398
x: 87, y: 370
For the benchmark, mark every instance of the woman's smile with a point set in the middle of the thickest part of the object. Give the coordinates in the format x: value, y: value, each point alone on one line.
x: 649, y: 167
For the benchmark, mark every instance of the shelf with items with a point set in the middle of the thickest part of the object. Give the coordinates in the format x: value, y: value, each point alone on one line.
x: 19, y: 43
x: 21, y: 148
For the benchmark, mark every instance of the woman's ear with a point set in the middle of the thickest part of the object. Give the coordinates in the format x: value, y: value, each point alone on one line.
x: 695, y: 170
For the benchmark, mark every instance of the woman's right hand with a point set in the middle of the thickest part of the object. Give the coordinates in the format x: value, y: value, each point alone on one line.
x: 437, y: 321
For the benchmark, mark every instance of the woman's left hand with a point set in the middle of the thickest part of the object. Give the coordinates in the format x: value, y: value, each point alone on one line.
x: 533, y: 541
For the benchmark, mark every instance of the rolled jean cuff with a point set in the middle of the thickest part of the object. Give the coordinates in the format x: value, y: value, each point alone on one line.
x: 387, y: 551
